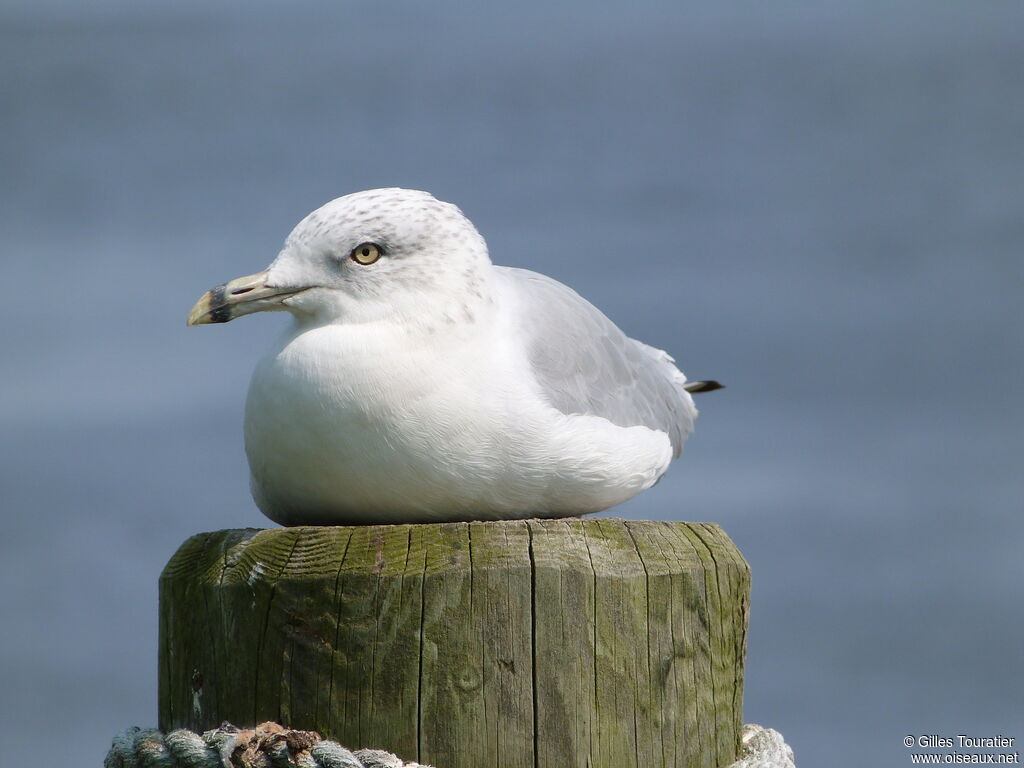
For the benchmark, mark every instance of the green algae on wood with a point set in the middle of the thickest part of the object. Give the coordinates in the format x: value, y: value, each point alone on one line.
x: 593, y: 643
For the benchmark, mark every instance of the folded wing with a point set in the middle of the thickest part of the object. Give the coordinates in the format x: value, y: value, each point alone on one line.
x: 584, y: 364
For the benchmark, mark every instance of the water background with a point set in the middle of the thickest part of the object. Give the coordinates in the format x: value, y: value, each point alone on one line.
x: 819, y: 204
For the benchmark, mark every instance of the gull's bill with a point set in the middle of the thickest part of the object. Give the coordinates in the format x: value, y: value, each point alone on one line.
x: 242, y: 296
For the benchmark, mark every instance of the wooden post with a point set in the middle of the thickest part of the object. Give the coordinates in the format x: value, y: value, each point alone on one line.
x: 592, y: 643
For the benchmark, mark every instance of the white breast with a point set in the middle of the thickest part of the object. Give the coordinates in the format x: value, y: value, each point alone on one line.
x: 342, y: 428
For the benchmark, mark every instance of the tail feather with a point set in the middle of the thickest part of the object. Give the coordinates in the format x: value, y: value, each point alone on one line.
x: 693, y: 387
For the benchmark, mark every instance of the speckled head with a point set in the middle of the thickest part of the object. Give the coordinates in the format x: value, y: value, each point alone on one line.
x: 379, y: 253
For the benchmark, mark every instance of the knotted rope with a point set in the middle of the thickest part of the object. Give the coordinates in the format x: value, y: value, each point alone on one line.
x: 266, y: 746
x: 763, y: 748
x: 271, y: 746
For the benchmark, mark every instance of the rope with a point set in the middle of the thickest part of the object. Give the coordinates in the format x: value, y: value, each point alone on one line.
x: 266, y: 746
x: 763, y: 748
x: 271, y: 746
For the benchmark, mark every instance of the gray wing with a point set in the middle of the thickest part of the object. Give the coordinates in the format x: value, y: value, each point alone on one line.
x: 585, y: 364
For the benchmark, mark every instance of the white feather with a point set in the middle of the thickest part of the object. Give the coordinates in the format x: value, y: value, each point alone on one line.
x: 411, y: 389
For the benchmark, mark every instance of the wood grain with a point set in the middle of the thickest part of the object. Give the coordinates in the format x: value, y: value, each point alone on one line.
x: 509, y: 644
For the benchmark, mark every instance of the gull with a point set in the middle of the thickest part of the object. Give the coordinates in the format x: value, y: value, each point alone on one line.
x: 419, y: 382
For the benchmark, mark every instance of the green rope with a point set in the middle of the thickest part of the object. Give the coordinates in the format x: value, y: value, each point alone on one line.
x: 267, y: 746
x: 271, y: 746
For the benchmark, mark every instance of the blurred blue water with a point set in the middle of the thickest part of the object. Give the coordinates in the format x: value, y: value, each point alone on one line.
x: 819, y: 205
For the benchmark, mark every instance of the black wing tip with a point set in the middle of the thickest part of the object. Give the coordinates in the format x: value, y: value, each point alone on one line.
x: 693, y: 387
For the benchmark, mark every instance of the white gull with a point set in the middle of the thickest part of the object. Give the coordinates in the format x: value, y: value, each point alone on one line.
x: 420, y: 382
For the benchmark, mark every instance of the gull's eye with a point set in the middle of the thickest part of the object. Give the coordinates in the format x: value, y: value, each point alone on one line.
x: 365, y: 253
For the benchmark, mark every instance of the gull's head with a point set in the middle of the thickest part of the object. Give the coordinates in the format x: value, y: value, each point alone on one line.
x: 379, y: 254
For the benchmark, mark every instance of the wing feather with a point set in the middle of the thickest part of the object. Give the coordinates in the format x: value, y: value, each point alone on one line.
x: 584, y: 364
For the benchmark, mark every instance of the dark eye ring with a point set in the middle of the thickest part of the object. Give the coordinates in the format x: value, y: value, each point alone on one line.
x: 366, y: 253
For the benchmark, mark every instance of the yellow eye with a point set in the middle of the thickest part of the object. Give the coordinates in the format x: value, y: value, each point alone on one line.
x: 365, y: 253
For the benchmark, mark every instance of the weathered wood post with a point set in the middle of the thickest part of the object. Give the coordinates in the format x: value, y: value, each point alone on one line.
x: 594, y: 643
